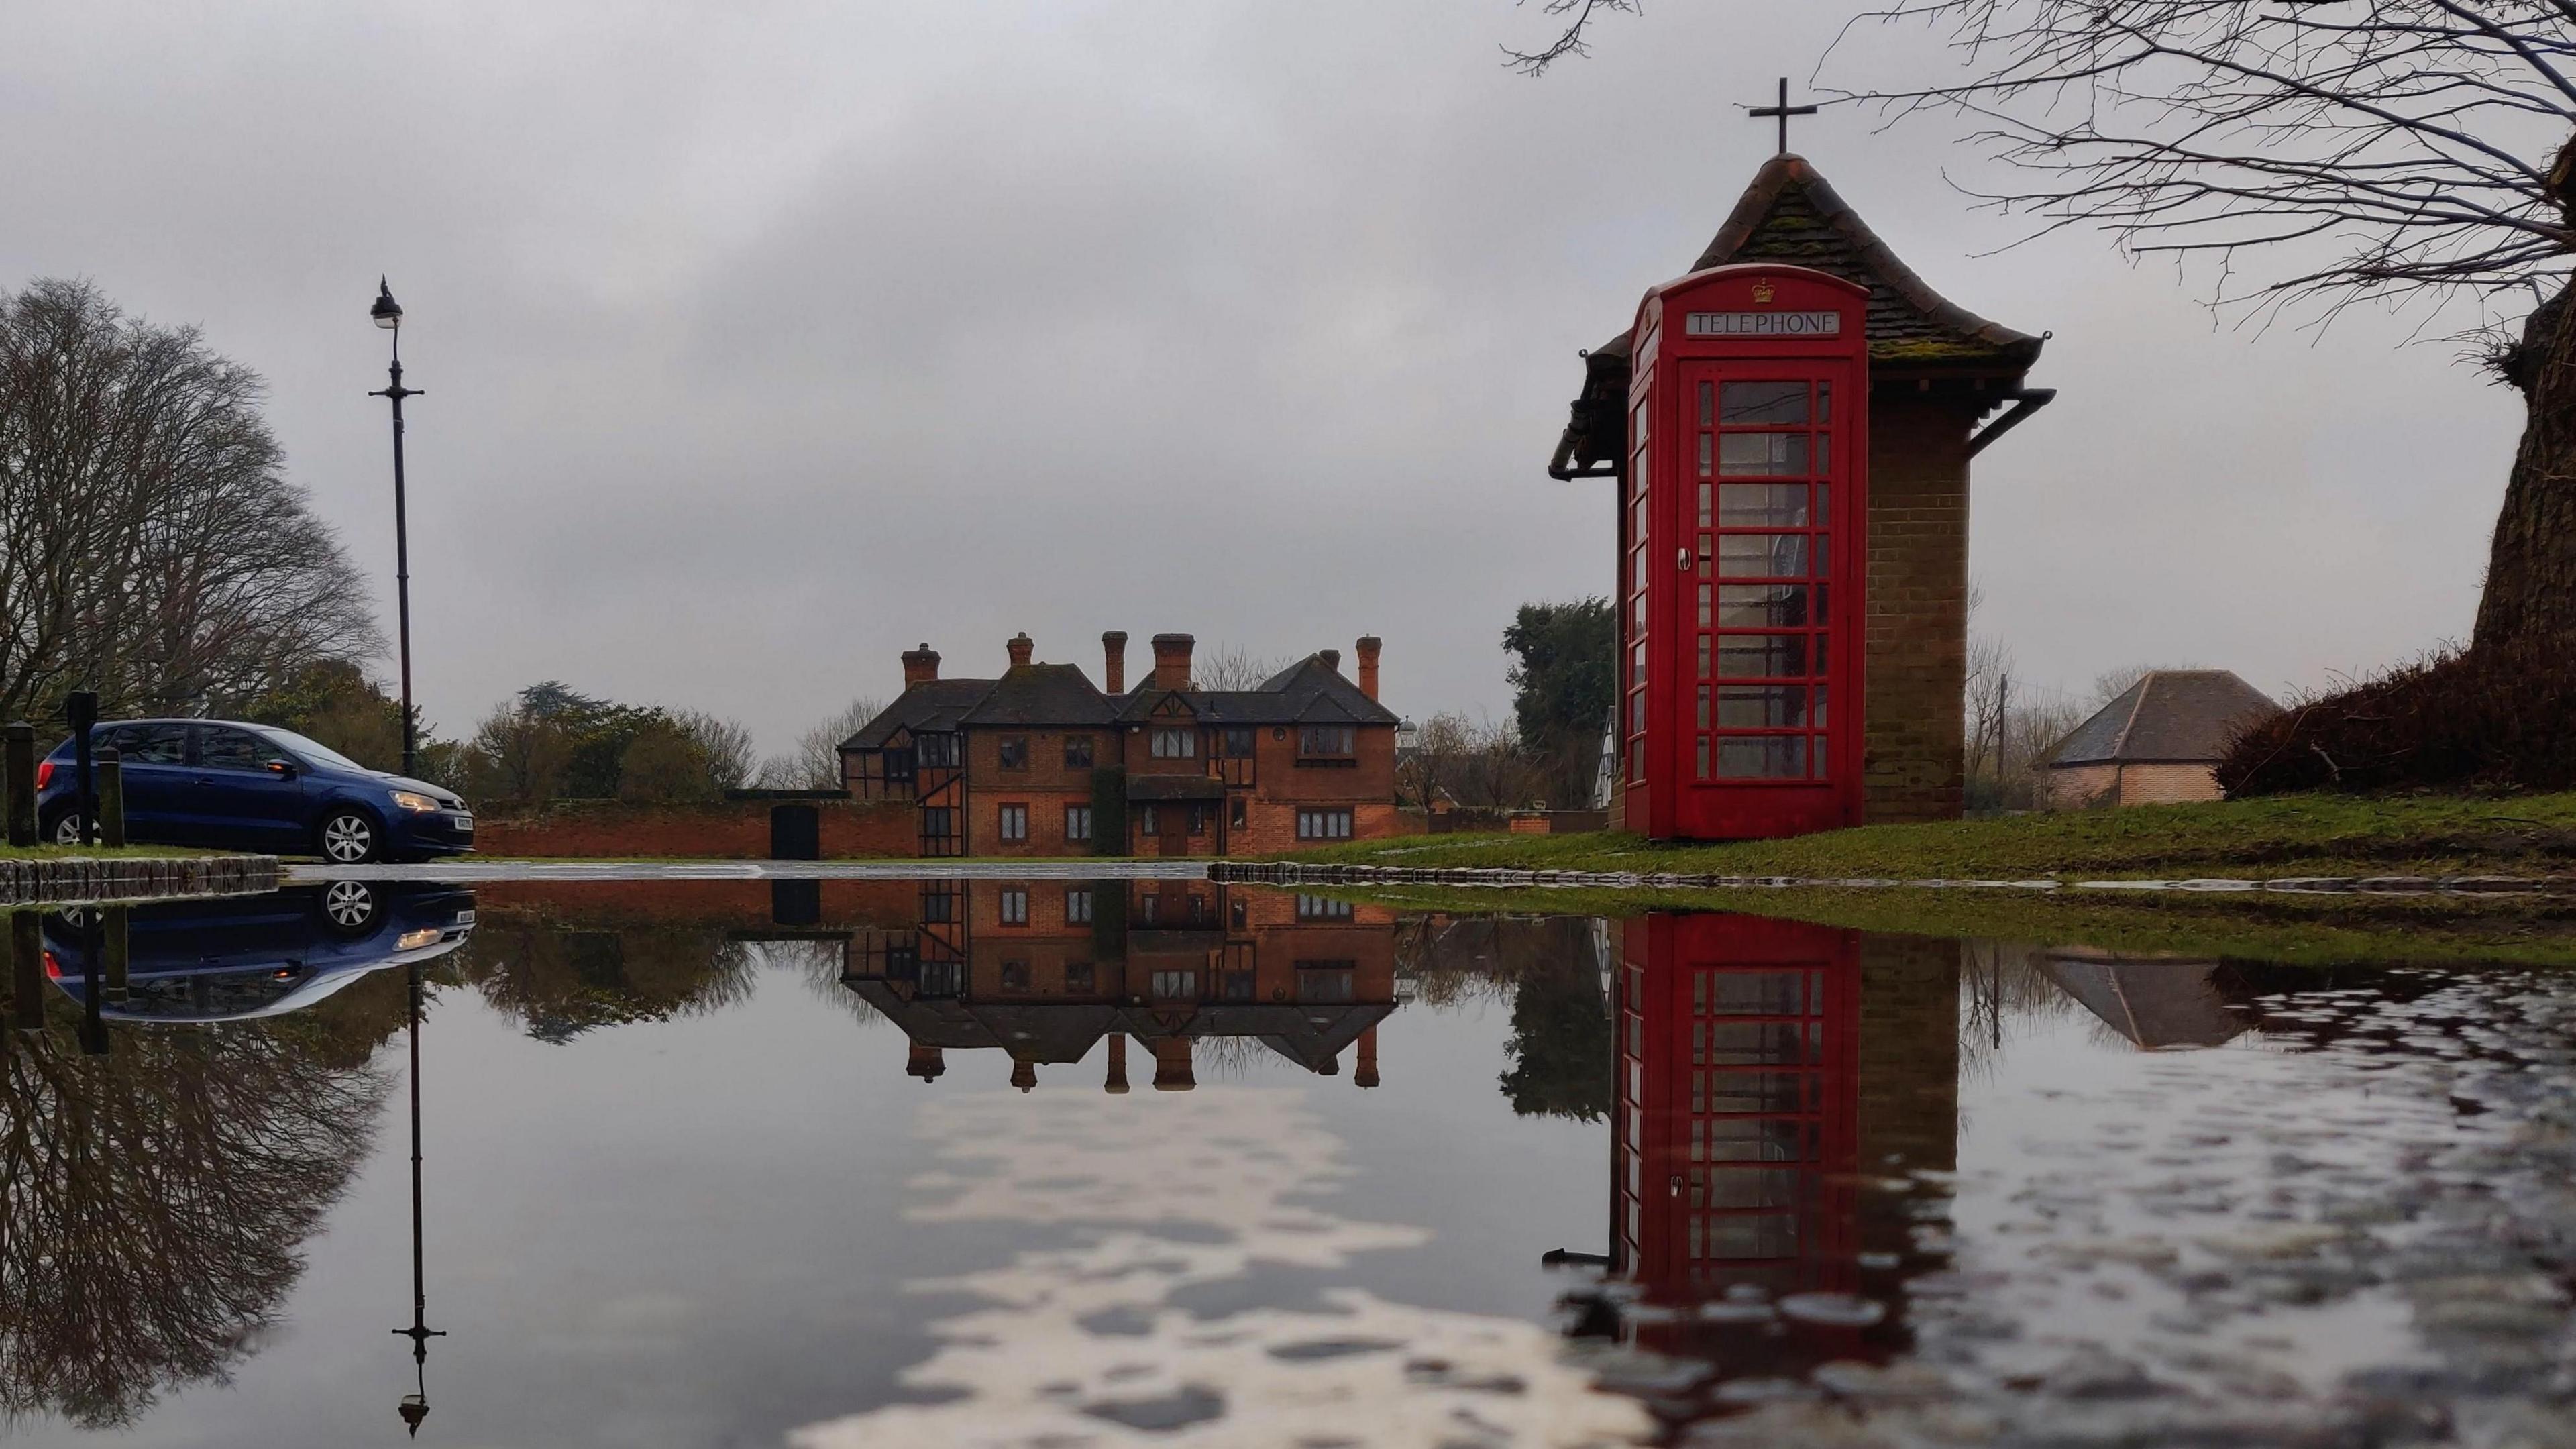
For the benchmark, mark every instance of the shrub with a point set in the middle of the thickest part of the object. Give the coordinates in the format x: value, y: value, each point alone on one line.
x: 2503, y: 719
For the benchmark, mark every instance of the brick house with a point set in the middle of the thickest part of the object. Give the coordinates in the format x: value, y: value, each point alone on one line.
x: 1041, y: 762
x: 2159, y: 743
x: 1936, y: 370
x: 1044, y: 970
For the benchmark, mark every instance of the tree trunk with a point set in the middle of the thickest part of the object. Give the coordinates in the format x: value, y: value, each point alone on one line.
x: 2530, y: 599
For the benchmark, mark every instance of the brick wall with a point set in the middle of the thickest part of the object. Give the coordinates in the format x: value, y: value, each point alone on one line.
x: 1917, y: 659
x: 2078, y: 787
x: 2167, y: 784
x: 1908, y: 1078
x: 727, y: 830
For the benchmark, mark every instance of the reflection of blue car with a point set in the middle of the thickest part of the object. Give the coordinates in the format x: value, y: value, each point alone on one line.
x: 256, y: 787
x: 235, y: 957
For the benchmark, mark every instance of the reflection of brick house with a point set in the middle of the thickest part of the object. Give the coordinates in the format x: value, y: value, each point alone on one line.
x: 1042, y: 762
x: 1043, y: 970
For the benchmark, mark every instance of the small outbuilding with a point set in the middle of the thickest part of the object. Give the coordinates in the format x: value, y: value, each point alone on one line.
x: 2157, y: 744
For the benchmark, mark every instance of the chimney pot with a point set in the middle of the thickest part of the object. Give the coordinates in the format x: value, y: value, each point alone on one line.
x: 1332, y: 659
x: 1113, y: 669
x: 1022, y: 649
x: 1172, y: 660
x: 920, y: 666
x: 1368, y: 647
x: 1173, y: 1071
x: 1116, y: 1085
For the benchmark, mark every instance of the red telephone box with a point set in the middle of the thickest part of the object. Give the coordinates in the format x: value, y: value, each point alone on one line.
x: 1746, y: 547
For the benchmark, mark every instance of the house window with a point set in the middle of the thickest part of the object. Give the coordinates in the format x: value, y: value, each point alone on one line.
x: 939, y: 822
x: 1077, y: 822
x: 1148, y: 906
x: 1235, y: 985
x: 1015, y: 976
x: 1176, y: 985
x: 1327, y: 742
x: 1077, y: 752
x: 1015, y: 752
x: 1198, y: 819
x: 1238, y: 742
x: 1015, y: 908
x: 1325, y: 980
x: 1237, y: 810
x: 1175, y: 744
x: 1322, y: 908
x: 943, y: 978
x: 1079, y: 979
x: 1239, y: 912
x: 1015, y: 822
x: 1323, y: 825
x: 1198, y: 909
x: 1077, y: 908
x: 1149, y: 821
x: 936, y: 750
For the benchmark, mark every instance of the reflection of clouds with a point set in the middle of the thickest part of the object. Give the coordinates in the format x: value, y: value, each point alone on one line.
x: 1084, y: 1347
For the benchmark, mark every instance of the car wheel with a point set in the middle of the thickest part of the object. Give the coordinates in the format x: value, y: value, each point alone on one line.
x: 350, y: 837
x: 67, y: 831
x: 351, y: 907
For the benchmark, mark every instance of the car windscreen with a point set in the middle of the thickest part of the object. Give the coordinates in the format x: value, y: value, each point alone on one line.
x: 312, y: 750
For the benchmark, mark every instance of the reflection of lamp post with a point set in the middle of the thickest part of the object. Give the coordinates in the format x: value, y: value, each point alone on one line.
x: 415, y: 1406
x: 388, y: 314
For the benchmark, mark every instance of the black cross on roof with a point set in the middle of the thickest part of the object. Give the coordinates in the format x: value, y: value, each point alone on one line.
x: 1783, y: 111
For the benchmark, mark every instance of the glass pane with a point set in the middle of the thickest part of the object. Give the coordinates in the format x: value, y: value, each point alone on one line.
x: 1762, y: 706
x: 1703, y: 706
x: 1761, y: 455
x: 1702, y: 772
x: 1707, y: 496
x: 1770, y: 1235
x: 1824, y: 557
x: 1762, y: 505
x: 1824, y: 452
x: 1762, y: 606
x: 1637, y: 569
x: 1819, y: 720
x: 1754, y: 1092
x: 1705, y: 443
x: 1637, y: 663
x: 1761, y: 656
x: 1763, y: 402
x: 1637, y: 604
x: 1761, y: 555
x: 1706, y: 603
x: 1824, y: 504
x: 1756, y: 993
x: 1637, y: 426
x: 1824, y: 402
x: 1637, y: 520
x: 1707, y: 403
x: 1762, y: 757
x: 1755, y: 1044
x: 1824, y: 603
x: 1703, y: 657
x: 1706, y: 547
x: 1747, y: 1187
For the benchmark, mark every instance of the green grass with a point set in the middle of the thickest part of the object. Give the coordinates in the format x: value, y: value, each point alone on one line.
x: 2283, y: 835
x: 97, y: 852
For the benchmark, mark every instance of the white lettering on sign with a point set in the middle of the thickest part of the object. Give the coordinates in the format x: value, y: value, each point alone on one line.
x: 1765, y: 324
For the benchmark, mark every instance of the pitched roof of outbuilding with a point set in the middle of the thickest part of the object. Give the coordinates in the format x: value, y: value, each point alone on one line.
x: 2169, y: 715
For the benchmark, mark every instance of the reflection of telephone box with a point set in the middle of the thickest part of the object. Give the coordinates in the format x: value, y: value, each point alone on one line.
x: 1737, y: 1131
x: 1747, y: 531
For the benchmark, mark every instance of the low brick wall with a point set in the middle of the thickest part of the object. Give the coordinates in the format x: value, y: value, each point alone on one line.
x: 725, y: 830
x: 64, y: 879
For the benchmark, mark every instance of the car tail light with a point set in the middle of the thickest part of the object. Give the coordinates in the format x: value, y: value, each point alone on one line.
x: 44, y: 773
x: 53, y: 966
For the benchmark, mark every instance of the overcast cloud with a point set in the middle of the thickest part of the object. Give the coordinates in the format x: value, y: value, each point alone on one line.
x: 761, y: 341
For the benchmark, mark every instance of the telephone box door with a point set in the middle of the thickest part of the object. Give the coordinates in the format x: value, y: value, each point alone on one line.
x: 1757, y: 470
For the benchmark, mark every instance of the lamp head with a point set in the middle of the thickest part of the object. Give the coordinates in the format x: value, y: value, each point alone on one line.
x: 387, y: 311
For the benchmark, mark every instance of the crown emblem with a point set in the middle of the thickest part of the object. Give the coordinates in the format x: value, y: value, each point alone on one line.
x: 1764, y: 291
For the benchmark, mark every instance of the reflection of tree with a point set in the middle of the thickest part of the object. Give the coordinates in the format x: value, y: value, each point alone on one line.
x: 153, y: 1201
x: 1561, y: 1046
x: 561, y: 983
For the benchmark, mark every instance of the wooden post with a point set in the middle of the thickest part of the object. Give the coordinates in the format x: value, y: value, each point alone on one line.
x: 93, y: 1035
x: 26, y: 971
x: 22, y: 783
x: 120, y: 949
x: 81, y: 706
x: 110, y: 767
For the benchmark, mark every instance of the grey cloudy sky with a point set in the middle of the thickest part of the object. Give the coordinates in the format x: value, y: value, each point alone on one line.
x: 762, y: 340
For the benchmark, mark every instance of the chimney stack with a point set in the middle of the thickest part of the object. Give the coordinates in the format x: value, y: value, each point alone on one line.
x: 1332, y: 659
x: 1172, y: 660
x: 1366, y: 1076
x: 1172, y: 1069
x: 925, y: 1062
x: 1021, y: 649
x: 1024, y: 1075
x: 1368, y: 646
x: 1117, y: 1083
x: 920, y: 666
x: 1113, y: 669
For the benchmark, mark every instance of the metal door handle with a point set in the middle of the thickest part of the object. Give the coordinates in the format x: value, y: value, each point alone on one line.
x: 1681, y: 558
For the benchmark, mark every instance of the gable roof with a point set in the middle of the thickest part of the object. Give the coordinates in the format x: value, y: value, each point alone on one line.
x: 2169, y: 715
x: 1306, y: 692
x: 1793, y: 216
x: 934, y: 704
x: 1042, y: 694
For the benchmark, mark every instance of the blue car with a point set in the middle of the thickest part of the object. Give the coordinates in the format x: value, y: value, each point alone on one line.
x: 231, y: 786
x: 232, y: 958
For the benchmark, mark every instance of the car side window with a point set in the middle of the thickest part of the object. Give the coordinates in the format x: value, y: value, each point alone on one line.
x: 149, y: 744
x: 222, y: 749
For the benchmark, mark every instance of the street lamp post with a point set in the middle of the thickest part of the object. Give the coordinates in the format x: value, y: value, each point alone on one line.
x: 388, y: 314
